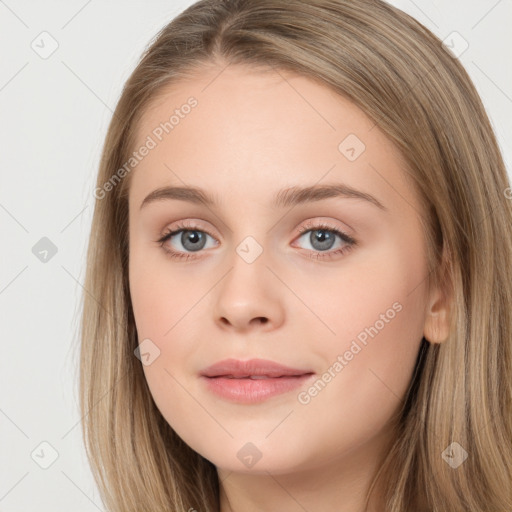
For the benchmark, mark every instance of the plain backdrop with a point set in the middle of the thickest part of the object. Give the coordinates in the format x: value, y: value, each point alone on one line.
x: 54, y: 114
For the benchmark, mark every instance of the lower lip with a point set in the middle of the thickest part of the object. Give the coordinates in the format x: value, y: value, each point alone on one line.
x: 250, y: 391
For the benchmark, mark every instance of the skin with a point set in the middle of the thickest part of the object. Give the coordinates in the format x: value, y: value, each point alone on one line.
x: 252, y: 134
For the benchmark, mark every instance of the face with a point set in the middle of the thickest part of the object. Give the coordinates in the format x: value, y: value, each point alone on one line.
x: 331, y: 284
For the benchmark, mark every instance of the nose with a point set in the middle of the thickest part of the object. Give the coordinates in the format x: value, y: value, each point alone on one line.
x: 249, y: 297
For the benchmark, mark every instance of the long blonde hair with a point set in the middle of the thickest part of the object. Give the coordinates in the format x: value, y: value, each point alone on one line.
x: 401, y: 76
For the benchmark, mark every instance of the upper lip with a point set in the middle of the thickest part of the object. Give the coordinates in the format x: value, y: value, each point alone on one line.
x: 252, y: 367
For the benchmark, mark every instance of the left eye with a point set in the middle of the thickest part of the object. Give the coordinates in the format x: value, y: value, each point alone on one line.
x: 322, y: 239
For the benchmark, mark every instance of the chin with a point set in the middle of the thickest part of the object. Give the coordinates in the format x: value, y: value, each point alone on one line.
x: 253, y: 458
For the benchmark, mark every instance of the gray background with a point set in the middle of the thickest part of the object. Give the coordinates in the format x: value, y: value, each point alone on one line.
x: 54, y: 115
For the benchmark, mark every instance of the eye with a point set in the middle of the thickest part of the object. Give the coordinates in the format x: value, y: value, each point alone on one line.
x: 189, y: 237
x: 322, y: 237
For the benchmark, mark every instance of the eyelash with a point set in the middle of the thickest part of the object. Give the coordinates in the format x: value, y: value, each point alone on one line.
x: 321, y: 226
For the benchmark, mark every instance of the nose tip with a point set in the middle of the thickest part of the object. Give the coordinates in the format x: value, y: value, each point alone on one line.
x: 249, y: 297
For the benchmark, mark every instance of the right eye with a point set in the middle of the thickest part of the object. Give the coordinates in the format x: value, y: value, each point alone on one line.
x: 190, y: 238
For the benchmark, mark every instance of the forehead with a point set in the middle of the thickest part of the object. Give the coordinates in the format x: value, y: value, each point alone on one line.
x: 267, y: 128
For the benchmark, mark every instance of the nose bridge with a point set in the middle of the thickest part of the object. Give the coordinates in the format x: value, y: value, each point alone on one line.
x: 250, y: 250
x: 257, y: 241
x: 248, y: 265
x: 249, y: 239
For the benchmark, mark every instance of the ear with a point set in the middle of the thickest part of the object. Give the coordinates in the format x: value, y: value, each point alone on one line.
x: 437, y: 320
x: 438, y: 309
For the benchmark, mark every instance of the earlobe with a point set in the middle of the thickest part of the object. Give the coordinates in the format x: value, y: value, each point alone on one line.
x: 438, y: 313
x: 437, y: 321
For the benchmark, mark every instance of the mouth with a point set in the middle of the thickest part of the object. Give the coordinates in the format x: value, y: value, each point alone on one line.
x: 252, y: 381
x: 255, y: 388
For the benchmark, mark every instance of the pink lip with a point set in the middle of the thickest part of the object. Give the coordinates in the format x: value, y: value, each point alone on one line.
x: 230, y: 379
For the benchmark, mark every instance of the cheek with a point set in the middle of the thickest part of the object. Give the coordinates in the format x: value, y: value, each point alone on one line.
x: 161, y: 306
x: 165, y: 305
x: 378, y: 323
x: 378, y: 293
x: 160, y: 295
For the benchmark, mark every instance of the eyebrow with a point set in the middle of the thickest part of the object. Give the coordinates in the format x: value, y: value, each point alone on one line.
x: 284, y: 198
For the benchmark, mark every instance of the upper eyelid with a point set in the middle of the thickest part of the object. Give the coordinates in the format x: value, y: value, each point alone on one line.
x: 308, y: 224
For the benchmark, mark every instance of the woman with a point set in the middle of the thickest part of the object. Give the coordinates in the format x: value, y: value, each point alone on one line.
x: 298, y: 289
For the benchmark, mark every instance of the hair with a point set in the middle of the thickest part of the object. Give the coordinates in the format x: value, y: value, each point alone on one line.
x: 400, y: 75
